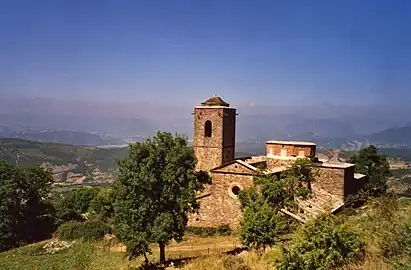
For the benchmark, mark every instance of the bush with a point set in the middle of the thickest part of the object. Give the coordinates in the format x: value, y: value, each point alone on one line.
x: 262, y: 225
x: 222, y: 230
x: 88, y: 230
x: 325, y: 243
x: 386, y: 227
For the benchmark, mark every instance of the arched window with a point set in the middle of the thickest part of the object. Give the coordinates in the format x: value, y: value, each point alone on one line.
x: 208, y: 128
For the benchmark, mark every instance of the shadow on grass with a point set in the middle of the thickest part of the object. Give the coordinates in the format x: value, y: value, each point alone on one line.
x: 182, y: 261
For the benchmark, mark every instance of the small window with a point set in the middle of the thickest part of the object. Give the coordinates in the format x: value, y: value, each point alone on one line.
x: 208, y: 128
x: 235, y: 190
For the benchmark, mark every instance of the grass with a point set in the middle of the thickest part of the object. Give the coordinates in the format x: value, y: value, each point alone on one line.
x: 92, y: 255
x: 379, y: 223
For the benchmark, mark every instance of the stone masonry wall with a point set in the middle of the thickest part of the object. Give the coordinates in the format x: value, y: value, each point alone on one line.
x: 274, y: 162
x: 213, y: 151
x: 332, y: 180
x: 221, y: 207
x: 292, y: 150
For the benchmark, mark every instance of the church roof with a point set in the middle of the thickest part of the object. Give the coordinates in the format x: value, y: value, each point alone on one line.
x: 215, y: 101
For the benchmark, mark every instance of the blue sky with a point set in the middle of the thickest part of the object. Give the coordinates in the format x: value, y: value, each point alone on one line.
x: 260, y: 52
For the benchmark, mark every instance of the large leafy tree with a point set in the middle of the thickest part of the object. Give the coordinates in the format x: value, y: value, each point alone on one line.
x: 155, y: 190
x: 26, y: 214
x: 367, y: 161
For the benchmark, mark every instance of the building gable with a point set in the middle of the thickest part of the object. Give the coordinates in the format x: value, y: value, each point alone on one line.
x: 236, y: 167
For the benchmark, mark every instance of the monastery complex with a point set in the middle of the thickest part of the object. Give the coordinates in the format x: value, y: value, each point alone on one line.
x: 214, y: 148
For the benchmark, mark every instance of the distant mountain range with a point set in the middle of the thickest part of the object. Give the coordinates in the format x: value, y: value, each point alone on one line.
x: 56, y: 136
x: 96, y: 124
x: 250, y: 138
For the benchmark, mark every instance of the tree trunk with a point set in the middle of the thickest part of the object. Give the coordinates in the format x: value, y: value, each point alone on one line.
x: 162, y: 252
x: 145, y: 258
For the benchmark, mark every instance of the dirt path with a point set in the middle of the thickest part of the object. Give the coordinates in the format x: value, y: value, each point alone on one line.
x: 192, y: 244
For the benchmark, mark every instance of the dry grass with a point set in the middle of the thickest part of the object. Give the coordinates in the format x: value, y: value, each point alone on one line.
x: 92, y: 255
x: 243, y: 261
x: 381, y: 224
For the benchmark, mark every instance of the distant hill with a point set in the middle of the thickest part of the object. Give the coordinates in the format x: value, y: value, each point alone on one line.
x: 397, y: 136
x: 56, y: 136
x: 34, y: 152
x: 73, y: 162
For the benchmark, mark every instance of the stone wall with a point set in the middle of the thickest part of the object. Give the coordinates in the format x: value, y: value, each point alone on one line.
x: 218, y: 149
x: 332, y: 180
x: 275, y: 162
x: 219, y: 205
x: 291, y: 150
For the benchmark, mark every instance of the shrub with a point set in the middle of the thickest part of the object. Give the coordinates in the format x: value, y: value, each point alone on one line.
x: 385, y: 227
x: 325, y: 243
x: 262, y: 226
x: 222, y: 230
x: 88, y: 230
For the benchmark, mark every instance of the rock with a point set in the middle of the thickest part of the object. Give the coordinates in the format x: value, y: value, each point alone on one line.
x: 55, y: 245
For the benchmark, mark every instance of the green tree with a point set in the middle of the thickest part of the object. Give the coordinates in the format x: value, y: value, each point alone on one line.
x: 304, y: 170
x: 155, y: 190
x: 75, y: 203
x: 367, y: 161
x: 262, y: 223
x: 102, y: 204
x: 24, y: 205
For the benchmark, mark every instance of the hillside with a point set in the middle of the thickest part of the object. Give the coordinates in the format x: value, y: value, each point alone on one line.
x: 395, y: 137
x: 56, y: 136
x: 72, y: 164
x: 68, y: 162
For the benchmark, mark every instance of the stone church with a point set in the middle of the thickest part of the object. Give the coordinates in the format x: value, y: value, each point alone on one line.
x: 214, y: 148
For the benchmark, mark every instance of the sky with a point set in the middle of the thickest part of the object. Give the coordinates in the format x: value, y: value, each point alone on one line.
x: 173, y: 51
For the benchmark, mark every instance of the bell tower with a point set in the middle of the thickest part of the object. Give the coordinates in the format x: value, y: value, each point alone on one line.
x: 214, y: 133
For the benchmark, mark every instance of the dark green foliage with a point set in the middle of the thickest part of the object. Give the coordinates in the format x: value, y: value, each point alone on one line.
x: 155, y: 190
x: 75, y: 203
x: 24, y: 205
x: 222, y: 230
x: 102, y: 205
x: 88, y: 230
x: 367, y: 161
x: 325, y: 243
